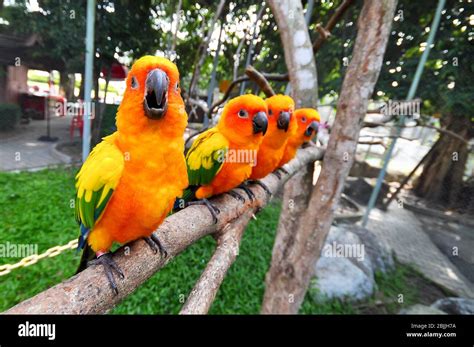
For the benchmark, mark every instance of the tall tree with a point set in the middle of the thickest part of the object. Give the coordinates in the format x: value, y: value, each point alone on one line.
x: 300, y: 237
x: 446, y: 89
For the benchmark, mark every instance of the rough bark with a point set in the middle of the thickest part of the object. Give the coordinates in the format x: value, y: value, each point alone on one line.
x: 299, y: 240
x: 228, y: 244
x: 89, y: 293
x: 298, y: 50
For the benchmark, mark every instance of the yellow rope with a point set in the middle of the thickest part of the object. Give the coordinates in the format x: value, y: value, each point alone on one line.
x: 34, y: 258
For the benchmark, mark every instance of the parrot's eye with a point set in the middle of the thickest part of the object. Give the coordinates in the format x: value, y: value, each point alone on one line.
x: 134, y: 83
x: 270, y: 112
x: 243, y: 114
x: 176, y: 88
x: 303, y: 119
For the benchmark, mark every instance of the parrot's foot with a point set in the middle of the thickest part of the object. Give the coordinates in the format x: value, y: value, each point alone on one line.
x: 109, y: 267
x: 236, y: 195
x: 277, y: 174
x: 213, y: 209
x: 155, y: 244
x: 264, y: 186
x: 246, y: 189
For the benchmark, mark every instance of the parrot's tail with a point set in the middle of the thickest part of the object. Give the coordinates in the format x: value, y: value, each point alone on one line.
x: 87, y: 255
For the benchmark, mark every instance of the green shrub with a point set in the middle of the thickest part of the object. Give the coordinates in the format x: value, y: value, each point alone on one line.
x: 9, y: 116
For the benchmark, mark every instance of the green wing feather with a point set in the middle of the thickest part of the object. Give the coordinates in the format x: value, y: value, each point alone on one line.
x: 206, y: 157
x: 96, y: 181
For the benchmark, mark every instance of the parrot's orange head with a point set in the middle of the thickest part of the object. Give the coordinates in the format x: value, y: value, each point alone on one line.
x: 308, y: 123
x: 280, y: 114
x: 244, y: 119
x: 152, y: 97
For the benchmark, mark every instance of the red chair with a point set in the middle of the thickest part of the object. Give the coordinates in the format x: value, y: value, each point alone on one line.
x: 77, y: 121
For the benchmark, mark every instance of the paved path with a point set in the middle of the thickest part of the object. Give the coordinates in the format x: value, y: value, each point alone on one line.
x: 446, y: 235
x: 403, y: 232
x: 21, y: 150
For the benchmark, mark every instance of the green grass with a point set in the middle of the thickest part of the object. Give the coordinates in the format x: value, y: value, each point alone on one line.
x: 35, y: 208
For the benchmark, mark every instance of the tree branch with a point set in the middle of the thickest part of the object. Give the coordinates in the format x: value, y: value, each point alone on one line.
x: 228, y: 244
x: 378, y: 142
x: 261, y: 81
x: 254, y: 74
x: 202, y: 50
x: 227, y: 93
x: 89, y: 293
x: 325, y: 32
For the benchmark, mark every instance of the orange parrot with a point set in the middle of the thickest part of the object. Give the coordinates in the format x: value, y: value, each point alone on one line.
x: 129, y: 182
x: 281, y: 126
x: 308, y: 120
x: 222, y: 157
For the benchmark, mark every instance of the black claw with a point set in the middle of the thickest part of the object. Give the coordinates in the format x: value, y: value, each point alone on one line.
x: 109, y: 266
x: 156, y: 245
x: 236, y: 195
x: 250, y: 194
x: 264, y: 186
x: 212, y: 209
x: 277, y: 174
x: 162, y: 248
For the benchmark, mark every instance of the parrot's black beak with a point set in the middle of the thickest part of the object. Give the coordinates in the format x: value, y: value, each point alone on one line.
x: 260, y: 123
x: 312, y: 127
x: 155, y: 103
x: 283, y: 121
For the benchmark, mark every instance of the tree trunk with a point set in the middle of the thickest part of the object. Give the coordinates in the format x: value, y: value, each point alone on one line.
x: 67, y: 82
x: 302, y: 233
x: 442, y: 176
x: 298, y: 51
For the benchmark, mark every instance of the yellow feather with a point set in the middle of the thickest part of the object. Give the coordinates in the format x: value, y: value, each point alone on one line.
x: 200, y: 153
x: 102, y: 169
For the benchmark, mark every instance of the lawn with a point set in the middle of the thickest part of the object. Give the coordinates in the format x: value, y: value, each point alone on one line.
x: 35, y: 208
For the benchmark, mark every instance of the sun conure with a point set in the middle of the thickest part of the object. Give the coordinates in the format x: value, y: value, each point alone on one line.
x: 222, y: 157
x: 308, y: 120
x: 281, y: 126
x: 129, y: 182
